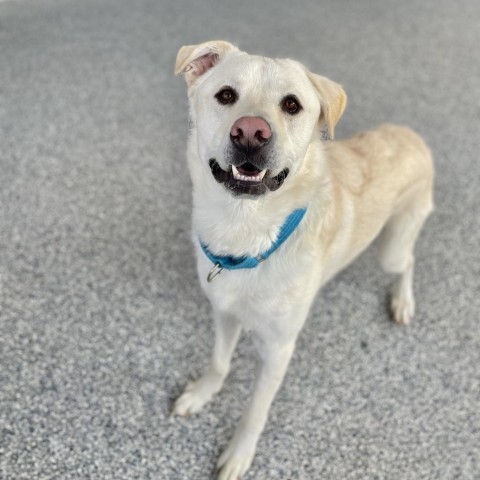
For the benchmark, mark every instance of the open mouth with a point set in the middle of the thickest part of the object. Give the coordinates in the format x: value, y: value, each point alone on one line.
x: 247, y: 179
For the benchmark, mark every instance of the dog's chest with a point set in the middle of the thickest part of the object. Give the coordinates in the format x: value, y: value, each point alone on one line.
x: 264, y: 299
x: 249, y: 297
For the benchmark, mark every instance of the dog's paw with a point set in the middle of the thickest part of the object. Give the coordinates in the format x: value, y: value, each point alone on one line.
x: 402, y: 307
x: 197, y: 394
x: 189, y: 402
x: 233, y: 463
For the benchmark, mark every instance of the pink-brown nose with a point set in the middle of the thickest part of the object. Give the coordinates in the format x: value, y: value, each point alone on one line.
x: 250, y: 133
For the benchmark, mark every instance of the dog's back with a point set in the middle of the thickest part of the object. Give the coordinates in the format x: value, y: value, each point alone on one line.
x: 377, y: 175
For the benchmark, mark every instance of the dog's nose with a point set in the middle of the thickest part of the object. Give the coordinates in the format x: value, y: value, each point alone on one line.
x: 250, y: 133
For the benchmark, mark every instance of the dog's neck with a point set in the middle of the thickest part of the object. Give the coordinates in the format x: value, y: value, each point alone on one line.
x: 238, y: 227
x: 248, y: 227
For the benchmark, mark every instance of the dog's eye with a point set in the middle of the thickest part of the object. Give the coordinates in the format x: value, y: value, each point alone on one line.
x: 291, y: 105
x: 226, y: 95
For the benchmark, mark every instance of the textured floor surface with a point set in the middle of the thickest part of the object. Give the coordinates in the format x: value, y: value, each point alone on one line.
x: 101, y: 317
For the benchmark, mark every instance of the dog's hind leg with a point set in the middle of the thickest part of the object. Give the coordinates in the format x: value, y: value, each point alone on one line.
x: 198, y: 393
x: 396, y: 246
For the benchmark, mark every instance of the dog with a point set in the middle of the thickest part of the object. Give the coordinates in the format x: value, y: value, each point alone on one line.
x: 278, y: 211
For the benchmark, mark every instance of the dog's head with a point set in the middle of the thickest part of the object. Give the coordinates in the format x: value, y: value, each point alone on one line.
x: 254, y: 117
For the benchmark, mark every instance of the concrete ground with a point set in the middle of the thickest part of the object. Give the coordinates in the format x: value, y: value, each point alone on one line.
x: 101, y: 317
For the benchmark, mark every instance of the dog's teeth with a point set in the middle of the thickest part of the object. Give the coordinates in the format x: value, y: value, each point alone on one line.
x: 247, y: 178
x: 236, y: 175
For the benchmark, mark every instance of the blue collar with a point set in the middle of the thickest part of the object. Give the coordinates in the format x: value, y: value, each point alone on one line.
x: 234, y: 263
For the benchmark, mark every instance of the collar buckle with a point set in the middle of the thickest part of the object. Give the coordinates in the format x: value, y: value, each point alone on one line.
x: 214, y: 272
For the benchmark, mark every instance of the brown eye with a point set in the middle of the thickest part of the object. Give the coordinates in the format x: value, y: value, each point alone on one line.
x: 226, y: 95
x: 291, y: 105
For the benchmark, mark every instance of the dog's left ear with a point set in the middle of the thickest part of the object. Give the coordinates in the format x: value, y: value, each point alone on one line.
x: 195, y: 60
x: 333, y: 100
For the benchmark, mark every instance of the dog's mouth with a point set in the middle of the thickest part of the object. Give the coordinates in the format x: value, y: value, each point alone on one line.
x: 247, y: 179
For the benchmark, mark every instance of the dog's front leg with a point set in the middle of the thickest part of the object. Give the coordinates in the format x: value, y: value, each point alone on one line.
x: 238, y: 456
x: 198, y: 393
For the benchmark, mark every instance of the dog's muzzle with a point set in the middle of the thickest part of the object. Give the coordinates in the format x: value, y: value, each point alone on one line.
x: 247, y: 179
x: 248, y: 172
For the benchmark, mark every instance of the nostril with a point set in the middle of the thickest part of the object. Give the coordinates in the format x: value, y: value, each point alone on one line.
x: 262, y: 135
x: 236, y: 132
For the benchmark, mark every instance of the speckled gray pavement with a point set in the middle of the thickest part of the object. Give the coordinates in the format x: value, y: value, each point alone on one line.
x: 101, y: 317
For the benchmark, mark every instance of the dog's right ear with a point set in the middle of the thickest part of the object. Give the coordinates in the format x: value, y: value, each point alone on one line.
x: 195, y: 60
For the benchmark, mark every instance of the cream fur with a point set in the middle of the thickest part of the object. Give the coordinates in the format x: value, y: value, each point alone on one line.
x: 353, y: 189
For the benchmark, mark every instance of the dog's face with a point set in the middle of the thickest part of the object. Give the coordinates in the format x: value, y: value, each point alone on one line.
x: 254, y: 116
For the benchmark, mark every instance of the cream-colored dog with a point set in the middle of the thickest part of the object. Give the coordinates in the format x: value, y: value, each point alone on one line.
x: 277, y: 212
